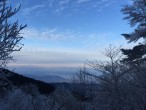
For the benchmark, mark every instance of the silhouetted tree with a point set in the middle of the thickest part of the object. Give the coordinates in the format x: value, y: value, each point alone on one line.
x: 82, y: 89
x: 110, y: 78
x: 9, y: 33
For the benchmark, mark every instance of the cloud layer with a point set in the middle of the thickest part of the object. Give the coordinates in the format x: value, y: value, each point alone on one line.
x: 71, y: 6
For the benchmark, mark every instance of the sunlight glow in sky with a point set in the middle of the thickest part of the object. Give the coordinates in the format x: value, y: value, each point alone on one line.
x: 65, y: 33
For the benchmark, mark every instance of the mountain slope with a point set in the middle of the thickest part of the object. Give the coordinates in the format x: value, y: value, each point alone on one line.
x: 10, y: 78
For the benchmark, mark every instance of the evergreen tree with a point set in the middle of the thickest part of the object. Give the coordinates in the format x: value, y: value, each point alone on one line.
x: 136, y: 15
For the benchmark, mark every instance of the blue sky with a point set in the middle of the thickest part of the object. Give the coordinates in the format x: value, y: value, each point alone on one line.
x: 65, y: 33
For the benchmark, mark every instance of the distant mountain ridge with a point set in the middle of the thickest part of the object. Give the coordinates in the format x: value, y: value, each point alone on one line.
x: 48, y: 78
x: 62, y: 72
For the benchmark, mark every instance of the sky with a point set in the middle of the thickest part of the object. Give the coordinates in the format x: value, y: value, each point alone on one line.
x: 67, y: 33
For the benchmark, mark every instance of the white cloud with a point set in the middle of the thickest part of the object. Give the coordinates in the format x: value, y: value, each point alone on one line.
x: 63, y: 2
x: 53, y: 58
x: 47, y: 34
x: 104, y: 0
x: 59, y: 35
x: 27, y: 11
x: 69, y: 6
x: 87, y: 47
x: 82, y: 1
x: 60, y: 6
